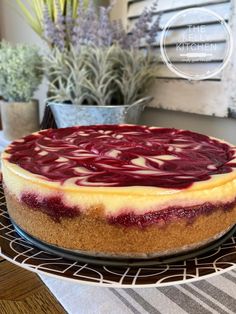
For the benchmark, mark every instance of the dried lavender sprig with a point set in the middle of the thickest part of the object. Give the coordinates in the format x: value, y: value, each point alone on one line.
x: 105, y: 29
x: 155, y: 28
x: 78, y: 29
x: 118, y: 33
x: 141, y: 32
x: 70, y: 22
x: 92, y: 28
x: 106, y: 26
x: 60, y: 27
x: 91, y: 24
x: 141, y: 28
x: 50, y: 33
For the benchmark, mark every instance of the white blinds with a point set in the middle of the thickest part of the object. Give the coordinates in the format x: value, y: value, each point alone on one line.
x: 215, y: 96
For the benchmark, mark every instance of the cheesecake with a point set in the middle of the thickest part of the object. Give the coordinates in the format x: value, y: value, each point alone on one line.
x: 121, y: 190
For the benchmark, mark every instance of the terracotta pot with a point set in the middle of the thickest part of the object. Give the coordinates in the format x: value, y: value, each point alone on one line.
x: 19, y: 118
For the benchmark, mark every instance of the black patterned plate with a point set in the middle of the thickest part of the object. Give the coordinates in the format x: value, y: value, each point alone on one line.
x: 23, y: 253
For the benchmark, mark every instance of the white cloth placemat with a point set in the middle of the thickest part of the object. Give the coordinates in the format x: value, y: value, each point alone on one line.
x: 212, y: 296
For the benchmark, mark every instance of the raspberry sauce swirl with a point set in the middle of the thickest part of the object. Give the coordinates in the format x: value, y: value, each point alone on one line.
x: 122, y: 156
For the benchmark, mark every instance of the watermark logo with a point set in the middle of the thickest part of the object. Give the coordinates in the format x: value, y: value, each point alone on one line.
x: 196, y: 44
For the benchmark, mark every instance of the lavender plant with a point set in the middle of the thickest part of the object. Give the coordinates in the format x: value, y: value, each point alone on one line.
x: 63, y: 23
x: 93, y: 27
x: 101, y: 64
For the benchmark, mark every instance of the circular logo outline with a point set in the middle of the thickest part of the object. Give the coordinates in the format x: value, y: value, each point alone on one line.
x: 179, y: 72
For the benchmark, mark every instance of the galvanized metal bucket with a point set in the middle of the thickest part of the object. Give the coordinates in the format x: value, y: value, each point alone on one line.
x: 67, y: 115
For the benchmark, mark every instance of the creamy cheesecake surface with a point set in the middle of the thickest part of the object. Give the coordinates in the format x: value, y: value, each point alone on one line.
x: 125, y: 176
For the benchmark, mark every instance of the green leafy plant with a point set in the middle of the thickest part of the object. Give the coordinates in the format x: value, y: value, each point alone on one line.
x: 99, y: 76
x: 136, y: 71
x: 20, y: 71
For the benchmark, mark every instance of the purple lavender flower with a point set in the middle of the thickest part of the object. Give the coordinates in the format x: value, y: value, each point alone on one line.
x: 77, y: 31
x: 93, y: 27
x: 143, y: 32
x: 90, y: 24
x: 69, y: 22
x: 141, y: 28
x: 60, y: 27
x: 49, y: 27
x: 105, y: 28
x: 155, y: 28
x: 118, y: 32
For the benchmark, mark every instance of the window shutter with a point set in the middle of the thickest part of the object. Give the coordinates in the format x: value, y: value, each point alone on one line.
x: 215, y: 96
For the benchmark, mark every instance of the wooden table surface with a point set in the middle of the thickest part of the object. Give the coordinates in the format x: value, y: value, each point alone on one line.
x: 23, y: 292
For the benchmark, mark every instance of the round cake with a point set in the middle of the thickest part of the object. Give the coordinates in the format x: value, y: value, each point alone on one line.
x: 121, y: 190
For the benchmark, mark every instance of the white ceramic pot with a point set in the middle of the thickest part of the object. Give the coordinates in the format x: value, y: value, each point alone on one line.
x: 19, y: 118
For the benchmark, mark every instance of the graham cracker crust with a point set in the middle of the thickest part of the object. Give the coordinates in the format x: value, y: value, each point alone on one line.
x: 92, y: 233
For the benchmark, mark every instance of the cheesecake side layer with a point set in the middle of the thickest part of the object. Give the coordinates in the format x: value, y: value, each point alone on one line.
x: 92, y: 233
x: 118, y: 201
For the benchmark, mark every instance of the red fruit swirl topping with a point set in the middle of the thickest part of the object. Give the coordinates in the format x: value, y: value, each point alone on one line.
x: 123, y: 155
x: 162, y: 217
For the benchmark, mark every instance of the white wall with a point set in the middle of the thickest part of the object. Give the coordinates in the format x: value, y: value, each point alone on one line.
x: 12, y: 26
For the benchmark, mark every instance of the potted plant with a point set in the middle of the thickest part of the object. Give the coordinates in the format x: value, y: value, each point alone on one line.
x: 98, y: 85
x: 20, y: 75
x: 96, y: 71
